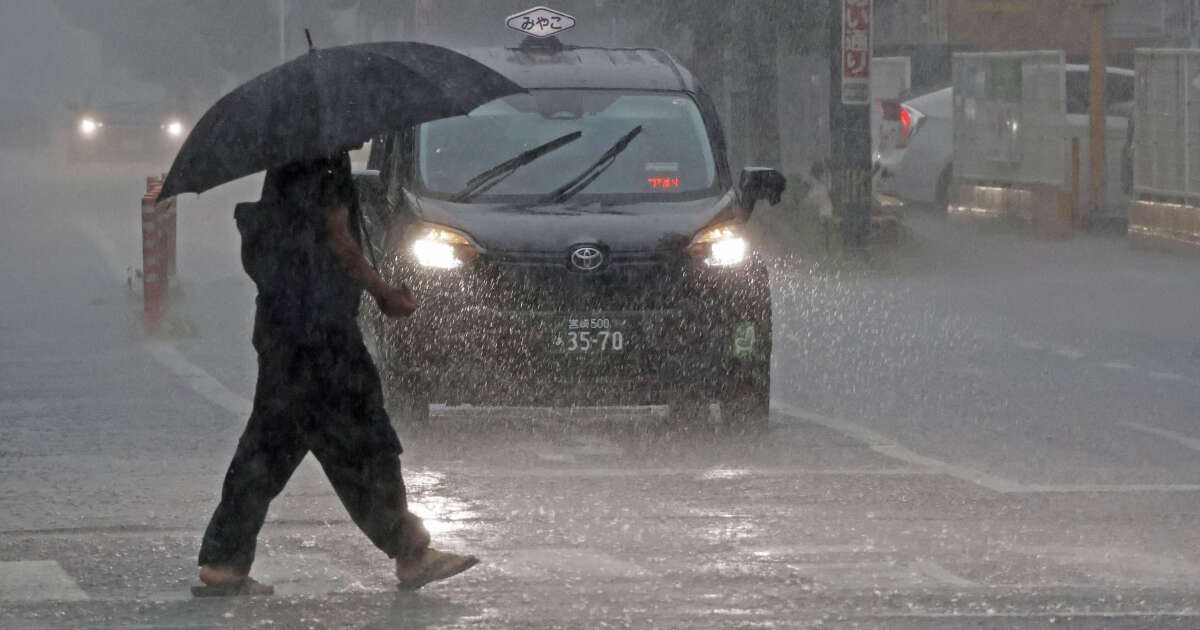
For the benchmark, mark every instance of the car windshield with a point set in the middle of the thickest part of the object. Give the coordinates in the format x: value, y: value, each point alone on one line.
x: 671, y: 158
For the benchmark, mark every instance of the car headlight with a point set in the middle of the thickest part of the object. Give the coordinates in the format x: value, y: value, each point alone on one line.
x: 88, y: 126
x: 174, y: 128
x: 721, y: 246
x: 441, y: 248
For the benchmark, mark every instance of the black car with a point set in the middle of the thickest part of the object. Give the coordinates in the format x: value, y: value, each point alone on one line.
x: 579, y: 244
x: 126, y: 123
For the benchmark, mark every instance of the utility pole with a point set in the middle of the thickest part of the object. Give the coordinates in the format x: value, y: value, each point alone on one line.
x: 760, y: 39
x: 282, y: 30
x: 1097, y: 107
x: 422, y: 22
x: 850, y: 118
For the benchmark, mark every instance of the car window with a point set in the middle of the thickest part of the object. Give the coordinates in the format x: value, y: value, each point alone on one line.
x: 670, y: 157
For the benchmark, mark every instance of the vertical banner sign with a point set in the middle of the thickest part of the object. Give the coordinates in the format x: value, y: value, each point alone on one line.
x: 856, y: 52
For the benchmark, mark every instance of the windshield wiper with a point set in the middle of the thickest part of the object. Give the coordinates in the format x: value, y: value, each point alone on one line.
x: 585, y: 179
x: 486, y: 180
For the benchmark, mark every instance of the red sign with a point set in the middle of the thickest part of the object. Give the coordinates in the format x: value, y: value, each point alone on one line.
x: 663, y: 182
x: 856, y: 52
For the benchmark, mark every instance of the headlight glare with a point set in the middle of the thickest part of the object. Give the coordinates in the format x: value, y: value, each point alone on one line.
x: 730, y: 251
x: 721, y: 246
x: 440, y: 248
x: 174, y: 128
x: 87, y: 126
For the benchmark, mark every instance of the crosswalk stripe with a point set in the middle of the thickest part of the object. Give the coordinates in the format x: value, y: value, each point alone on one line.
x: 37, y: 581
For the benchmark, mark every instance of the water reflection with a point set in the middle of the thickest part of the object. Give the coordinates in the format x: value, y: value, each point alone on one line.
x: 442, y: 514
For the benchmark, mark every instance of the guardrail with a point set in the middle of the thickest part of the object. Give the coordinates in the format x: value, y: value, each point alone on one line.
x: 1166, y: 124
x: 1009, y: 114
x: 1166, y: 162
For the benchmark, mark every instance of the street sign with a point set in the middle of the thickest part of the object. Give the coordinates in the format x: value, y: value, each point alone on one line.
x: 540, y: 22
x: 856, y: 52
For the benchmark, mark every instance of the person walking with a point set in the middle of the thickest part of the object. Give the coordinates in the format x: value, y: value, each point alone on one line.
x: 318, y: 390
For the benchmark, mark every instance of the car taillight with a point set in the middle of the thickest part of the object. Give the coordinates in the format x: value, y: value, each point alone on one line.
x: 910, y: 123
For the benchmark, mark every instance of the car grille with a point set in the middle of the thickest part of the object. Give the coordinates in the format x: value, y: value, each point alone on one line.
x: 549, y: 285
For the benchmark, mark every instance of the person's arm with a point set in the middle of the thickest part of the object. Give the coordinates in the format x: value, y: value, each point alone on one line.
x: 394, y: 302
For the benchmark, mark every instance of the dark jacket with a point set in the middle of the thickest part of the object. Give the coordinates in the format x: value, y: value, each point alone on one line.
x: 303, y: 293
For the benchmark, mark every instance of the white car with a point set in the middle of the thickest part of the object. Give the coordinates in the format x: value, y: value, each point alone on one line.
x: 915, y: 159
x: 916, y: 155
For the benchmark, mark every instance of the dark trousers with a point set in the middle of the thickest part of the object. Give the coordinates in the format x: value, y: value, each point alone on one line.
x: 319, y: 393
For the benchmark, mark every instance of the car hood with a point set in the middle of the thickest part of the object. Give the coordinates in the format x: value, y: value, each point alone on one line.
x: 632, y: 227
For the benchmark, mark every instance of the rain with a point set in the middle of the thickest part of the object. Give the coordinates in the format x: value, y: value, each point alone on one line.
x: 603, y: 313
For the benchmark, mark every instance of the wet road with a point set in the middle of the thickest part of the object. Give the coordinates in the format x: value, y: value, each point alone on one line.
x: 997, y: 432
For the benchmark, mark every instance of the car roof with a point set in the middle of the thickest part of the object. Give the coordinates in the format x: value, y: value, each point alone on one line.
x: 935, y: 103
x: 549, y: 64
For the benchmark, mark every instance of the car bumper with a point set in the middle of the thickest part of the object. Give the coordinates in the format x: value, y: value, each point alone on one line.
x: 710, y: 331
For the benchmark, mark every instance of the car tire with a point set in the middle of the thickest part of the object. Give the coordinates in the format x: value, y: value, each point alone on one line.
x: 942, y: 195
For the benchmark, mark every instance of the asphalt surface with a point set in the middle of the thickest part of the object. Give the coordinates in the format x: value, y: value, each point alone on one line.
x: 995, y: 432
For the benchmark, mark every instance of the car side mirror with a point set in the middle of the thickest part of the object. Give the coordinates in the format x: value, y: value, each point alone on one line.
x: 759, y: 182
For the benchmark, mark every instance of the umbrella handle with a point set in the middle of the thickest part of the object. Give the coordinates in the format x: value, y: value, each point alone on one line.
x: 308, y: 36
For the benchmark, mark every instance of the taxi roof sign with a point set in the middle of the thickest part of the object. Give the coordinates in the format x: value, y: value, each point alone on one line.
x: 540, y: 22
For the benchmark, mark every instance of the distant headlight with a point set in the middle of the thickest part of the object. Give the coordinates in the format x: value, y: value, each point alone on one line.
x: 174, y: 128
x: 721, y: 246
x: 441, y: 248
x: 88, y: 127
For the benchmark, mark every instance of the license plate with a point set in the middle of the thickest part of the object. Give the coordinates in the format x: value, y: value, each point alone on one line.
x: 591, y: 335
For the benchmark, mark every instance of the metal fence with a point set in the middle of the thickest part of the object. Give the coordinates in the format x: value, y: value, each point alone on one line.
x: 1009, y: 114
x: 1166, y: 123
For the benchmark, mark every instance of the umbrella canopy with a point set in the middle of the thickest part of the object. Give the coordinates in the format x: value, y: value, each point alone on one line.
x: 325, y: 102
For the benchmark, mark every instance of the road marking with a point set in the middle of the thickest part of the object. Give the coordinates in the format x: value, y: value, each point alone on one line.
x: 211, y: 389
x: 1189, y: 442
x: 1169, y: 376
x: 942, y: 574
x: 1186, y: 613
x: 818, y: 550
x: 1070, y: 353
x: 549, y: 563
x: 611, y: 473
x: 886, y: 446
x: 1115, y: 565
x: 310, y: 574
x: 37, y: 581
x: 1115, y: 365
x: 198, y: 379
x: 860, y: 574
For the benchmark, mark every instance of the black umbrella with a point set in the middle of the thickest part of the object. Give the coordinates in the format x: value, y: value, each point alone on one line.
x: 325, y: 102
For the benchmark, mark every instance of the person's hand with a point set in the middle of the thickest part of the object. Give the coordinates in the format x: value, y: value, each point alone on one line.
x: 397, y: 302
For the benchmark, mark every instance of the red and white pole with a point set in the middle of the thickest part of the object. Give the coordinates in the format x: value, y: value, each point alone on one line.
x: 154, y: 257
x: 167, y: 219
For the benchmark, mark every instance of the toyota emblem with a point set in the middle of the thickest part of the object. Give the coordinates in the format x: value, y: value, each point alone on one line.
x: 587, y: 258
